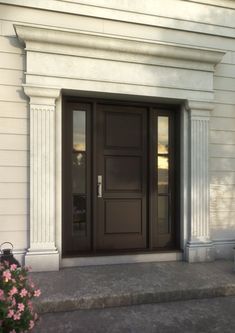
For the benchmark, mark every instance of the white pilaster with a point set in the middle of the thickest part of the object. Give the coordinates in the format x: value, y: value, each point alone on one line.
x: 42, y: 253
x: 199, y: 246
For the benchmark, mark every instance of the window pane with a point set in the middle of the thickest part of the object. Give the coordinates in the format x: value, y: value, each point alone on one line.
x: 163, y: 215
x: 79, y: 215
x: 163, y: 179
x: 79, y: 130
x: 79, y: 173
x: 163, y: 135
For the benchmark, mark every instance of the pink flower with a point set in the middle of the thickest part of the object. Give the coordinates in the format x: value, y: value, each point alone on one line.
x: 32, y: 285
x: 17, y: 316
x: 23, y: 292
x: 13, y: 301
x: 13, y: 331
x: 6, y: 275
x: 37, y: 293
x: 21, y: 307
x: 30, y: 304
x: 13, y: 267
x: 1, y: 294
x: 31, y: 324
x: 10, y: 313
x: 13, y: 291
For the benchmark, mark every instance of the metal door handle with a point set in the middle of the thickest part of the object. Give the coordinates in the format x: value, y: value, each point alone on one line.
x: 99, y: 186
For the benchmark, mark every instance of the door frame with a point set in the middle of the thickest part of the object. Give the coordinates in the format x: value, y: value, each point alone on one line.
x: 93, y: 165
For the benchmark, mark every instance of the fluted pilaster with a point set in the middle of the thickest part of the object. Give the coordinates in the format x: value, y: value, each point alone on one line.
x: 42, y: 179
x: 199, y: 246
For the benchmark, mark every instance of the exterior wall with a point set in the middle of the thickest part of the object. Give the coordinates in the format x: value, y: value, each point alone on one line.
x: 14, y: 146
x: 190, y: 24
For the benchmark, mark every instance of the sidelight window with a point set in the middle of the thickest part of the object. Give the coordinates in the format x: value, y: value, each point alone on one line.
x: 79, y: 172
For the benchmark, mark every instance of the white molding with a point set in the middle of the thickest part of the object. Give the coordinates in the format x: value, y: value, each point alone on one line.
x: 114, y: 43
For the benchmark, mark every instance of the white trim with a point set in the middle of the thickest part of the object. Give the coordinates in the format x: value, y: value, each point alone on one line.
x: 122, y: 259
x: 113, y: 43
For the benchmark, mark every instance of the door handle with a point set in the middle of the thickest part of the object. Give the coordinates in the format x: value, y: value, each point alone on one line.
x: 99, y: 186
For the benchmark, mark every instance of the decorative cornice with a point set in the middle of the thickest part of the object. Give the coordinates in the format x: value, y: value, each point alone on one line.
x: 80, y: 39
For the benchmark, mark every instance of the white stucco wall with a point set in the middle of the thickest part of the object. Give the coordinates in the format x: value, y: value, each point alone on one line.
x: 189, y: 23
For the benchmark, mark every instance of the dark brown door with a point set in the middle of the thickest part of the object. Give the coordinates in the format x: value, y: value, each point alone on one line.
x: 120, y: 177
x: 121, y: 174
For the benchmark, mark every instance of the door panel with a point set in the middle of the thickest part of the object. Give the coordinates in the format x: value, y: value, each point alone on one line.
x: 121, y: 160
x: 118, y: 213
x: 123, y: 173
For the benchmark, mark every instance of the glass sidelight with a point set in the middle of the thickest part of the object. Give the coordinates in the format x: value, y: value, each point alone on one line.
x: 163, y: 173
x: 163, y: 179
x: 79, y: 172
x: 76, y: 178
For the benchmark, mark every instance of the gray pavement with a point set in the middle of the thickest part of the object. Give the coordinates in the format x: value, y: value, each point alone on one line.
x: 195, y: 316
x: 131, y: 284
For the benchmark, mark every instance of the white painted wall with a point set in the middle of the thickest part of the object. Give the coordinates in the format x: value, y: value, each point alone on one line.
x: 190, y: 23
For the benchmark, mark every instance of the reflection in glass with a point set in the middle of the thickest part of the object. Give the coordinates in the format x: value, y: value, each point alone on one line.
x: 163, y: 178
x: 163, y: 215
x: 79, y: 172
x: 163, y: 135
x: 79, y: 215
x: 79, y: 130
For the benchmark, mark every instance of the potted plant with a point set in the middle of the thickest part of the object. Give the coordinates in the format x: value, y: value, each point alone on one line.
x: 17, y: 314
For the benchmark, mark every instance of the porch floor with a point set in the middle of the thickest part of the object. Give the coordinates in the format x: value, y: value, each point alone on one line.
x: 130, y: 284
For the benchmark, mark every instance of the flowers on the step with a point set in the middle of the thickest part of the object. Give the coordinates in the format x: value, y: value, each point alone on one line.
x: 17, y: 314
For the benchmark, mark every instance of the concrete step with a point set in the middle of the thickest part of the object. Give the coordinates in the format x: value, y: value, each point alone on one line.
x: 193, y: 316
x: 104, y: 286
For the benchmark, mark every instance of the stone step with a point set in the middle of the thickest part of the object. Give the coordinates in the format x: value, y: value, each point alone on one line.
x: 131, y: 284
x: 194, y: 316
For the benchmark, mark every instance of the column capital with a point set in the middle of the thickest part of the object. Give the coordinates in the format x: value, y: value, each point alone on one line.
x: 198, y: 109
x: 199, y: 105
x: 41, y: 95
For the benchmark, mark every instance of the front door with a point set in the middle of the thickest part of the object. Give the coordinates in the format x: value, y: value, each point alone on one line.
x: 119, y: 177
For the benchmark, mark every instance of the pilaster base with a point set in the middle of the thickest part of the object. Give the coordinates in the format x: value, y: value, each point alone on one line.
x: 42, y: 261
x: 199, y: 252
